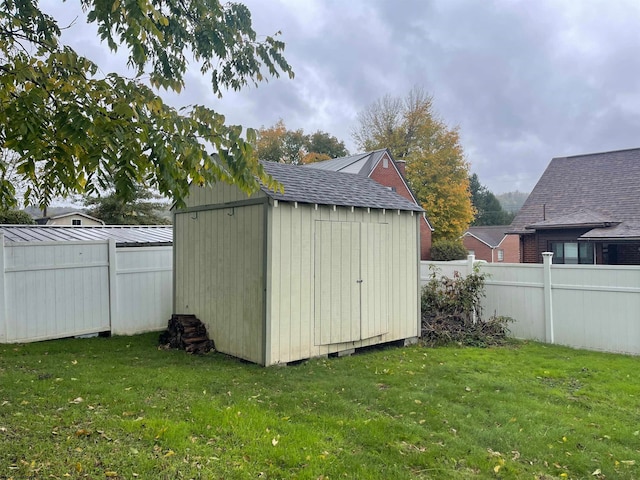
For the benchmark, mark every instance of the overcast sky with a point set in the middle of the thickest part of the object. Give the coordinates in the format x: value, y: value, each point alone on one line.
x: 524, y: 81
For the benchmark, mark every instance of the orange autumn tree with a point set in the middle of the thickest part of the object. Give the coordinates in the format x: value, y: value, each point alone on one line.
x: 437, y: 170
x: 278, y: 144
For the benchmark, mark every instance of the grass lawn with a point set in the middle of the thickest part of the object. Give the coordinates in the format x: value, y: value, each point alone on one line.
x: 120, y: 408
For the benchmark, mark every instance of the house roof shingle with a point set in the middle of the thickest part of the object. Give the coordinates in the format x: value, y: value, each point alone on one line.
x: 590, y: 190
x: 579, y: 219
x: 492, y: 235
x: 124, y: 235
x: 326, y: 187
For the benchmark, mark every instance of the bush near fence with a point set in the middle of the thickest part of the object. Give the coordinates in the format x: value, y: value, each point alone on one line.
x: 594, y: 307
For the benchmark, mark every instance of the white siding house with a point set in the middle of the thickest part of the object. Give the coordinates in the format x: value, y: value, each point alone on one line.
x: 73, y: 218
x: 327, y: 266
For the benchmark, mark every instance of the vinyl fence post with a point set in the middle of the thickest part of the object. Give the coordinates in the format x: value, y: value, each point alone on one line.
x: 3, y: 304
x: 471, y: 259
x: 113, y: 287
x: 470, y: 263
x: 548, y: 307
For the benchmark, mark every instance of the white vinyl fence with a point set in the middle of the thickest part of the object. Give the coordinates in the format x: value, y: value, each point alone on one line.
x: 60, y: 289
x: 594, y: 307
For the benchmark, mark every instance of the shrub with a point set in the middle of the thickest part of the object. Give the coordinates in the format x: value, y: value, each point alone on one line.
x: 15, y: 217
x: 452, y: 313
x: 446, y: 250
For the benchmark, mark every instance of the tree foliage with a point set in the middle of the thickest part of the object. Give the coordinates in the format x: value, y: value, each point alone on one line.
x: 15, y: 217
x: 77, y: 131
x: 446, y: 250
x: 278, y: 144
x: 436, y: 168
x: 141, y: 208
x: 486, y: 204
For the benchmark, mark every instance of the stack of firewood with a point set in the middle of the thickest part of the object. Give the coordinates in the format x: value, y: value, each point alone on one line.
x: 186, y: 332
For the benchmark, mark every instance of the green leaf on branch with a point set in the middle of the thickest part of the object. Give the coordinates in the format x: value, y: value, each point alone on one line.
x: 75, y: 132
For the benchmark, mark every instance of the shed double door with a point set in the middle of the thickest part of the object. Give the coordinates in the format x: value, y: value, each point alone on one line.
x: 351, y: 293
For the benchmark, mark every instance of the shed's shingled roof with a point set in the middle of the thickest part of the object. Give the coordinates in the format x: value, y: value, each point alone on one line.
x: 325, y: 187
x: 586, y: 191
x: 490, y: 235
x: 124, y: 235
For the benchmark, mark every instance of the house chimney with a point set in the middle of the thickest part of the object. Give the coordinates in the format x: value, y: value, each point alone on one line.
x: 401, y: 164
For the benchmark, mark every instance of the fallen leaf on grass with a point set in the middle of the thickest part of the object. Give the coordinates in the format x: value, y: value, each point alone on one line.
x: 110, y: 473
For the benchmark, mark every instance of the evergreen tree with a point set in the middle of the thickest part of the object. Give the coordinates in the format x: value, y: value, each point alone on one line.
x: 139, y: 208
x: 488, y: 208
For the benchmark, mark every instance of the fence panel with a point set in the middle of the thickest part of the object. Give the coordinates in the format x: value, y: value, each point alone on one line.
x: 62, y: 289
x: 144, y: 282
x: 516, y: 291
x: 55, y: 290
x: 597, y: 308
x: 594, y: 307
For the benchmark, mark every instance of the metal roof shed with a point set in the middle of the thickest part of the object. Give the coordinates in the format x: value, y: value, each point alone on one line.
x: 327, y: 266
x: 123, y: 235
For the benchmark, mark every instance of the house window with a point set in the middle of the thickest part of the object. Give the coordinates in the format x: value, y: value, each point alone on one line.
x: 471, y: 252
x: 385, y: 162
x: 573, y: 253
x: 76, y: 221
x: 501, y: 255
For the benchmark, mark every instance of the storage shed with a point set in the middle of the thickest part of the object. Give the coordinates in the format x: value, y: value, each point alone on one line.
x: 327, y: 266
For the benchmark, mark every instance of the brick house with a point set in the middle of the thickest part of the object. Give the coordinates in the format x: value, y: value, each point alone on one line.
x: 492, y: 244
x: 585, y: 209
x: 380, y: 166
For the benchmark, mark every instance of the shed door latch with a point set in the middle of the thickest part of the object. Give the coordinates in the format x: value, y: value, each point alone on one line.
x: 359, y: 281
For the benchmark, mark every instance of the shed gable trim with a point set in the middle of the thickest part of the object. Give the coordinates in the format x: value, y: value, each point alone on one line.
x: 222, y: 206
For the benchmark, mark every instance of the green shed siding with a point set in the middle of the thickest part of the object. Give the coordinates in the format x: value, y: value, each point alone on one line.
x: 292, y: 309
x: 219, y: 274
x: 281, y: 281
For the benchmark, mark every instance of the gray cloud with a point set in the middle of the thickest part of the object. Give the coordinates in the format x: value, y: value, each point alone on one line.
x: 525, y: 81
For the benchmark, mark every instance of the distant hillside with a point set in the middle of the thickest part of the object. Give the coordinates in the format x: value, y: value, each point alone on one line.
x: 512, y: 201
